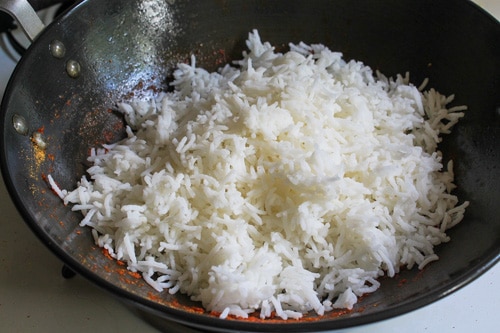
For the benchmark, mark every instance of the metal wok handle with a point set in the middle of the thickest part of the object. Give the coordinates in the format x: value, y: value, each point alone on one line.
x: 25, y: 15
x: 23, y: 11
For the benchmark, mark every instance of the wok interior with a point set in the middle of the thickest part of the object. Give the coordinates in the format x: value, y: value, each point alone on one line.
x: 128, y: 49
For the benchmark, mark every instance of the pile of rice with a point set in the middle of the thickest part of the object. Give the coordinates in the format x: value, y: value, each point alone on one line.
x: 287, y: 183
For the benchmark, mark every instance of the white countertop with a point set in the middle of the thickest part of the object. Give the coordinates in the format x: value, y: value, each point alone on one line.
x: 34, y: 297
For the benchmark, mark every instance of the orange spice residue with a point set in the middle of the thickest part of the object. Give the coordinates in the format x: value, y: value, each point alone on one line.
x: 135, y: 275
x: 139, y: 85
x: 255, y: 316
x: 402, y: 282
x: 153, y: 88
x: 194, y: 309
x: 252, y: 317
x: 221, y: 53
x: 154, y: 298
x: 120, y: 271
x: 39, y: 154
x: 108, y: 136
x: 107, y: 255
x: 420, y: 274
x: 118, y: 126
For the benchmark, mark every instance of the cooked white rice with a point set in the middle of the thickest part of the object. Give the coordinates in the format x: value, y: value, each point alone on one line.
x: 286, y: 184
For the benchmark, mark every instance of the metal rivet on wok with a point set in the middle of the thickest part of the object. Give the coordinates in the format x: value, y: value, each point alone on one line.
x: 73, y: 68
x: 20, y: 124
x: 57, y: 49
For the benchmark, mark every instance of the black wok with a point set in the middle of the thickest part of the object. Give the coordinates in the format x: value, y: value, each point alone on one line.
x: 52, y: 116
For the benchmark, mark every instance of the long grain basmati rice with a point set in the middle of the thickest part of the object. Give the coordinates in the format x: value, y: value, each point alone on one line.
x: 288, y: 183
